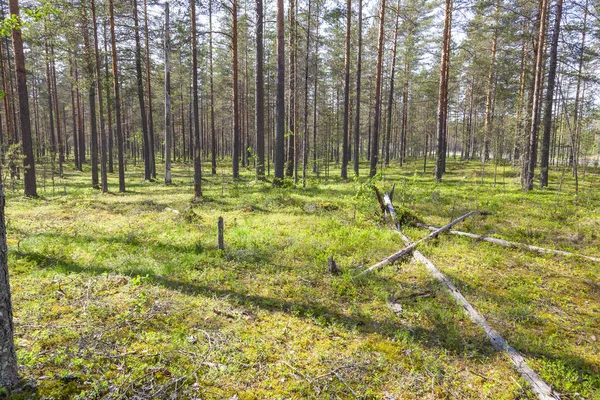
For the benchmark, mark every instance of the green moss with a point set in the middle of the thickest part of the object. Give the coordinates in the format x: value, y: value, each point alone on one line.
x: 120, y: 294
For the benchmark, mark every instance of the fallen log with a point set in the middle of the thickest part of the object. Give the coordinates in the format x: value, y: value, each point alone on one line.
x: 506, y: 243
x: 407, y: 250
x: 538, y: 386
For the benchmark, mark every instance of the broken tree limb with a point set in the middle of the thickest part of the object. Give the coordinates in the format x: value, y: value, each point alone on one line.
x: 506, y: 243
x: 537, y: 384
x: 407, y: 250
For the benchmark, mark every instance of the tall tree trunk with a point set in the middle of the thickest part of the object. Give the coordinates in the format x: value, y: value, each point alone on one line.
x: 50, y: 104
x: 537, y: 90
x: 115, y: 72
x: 151, y: 148
x: 260, y: 93
x: 195, y: 116
x: 315, y: 85
x: 80, y: 115
x: 168, y: 132
x: 356, y: 158
x: 292, y: 96
x: 574, y: 135
x: 345, y: 130
x: 377, y: 112
x: 487, y: 125
x: 108, y: 103
x: 442, y: 111
x: 388, y: 135
x: 305, y: 124
x: 59, y: 139
x: 8, y: 360
x: 404, y: 122
x: 90, y: 69
x: 140, y: 92
x: 74, y: 114
x: 521, y: 96
x: 103, y: 144
x: 280, y: 112
x: 545, y: 154
x: 213, y: 133
x: 26, y: 142
x: 235, y: 91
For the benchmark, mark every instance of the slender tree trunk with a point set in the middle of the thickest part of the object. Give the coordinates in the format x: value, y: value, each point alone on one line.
x: 235, y: 91
x: 108, y: 103
x: 50, y: 103
x: 26, y: 142
x: 196, y: 120
x: 115, y: 72
x: 8, y: 360
x: 487, y: 125
x: 168, y: 132
x: 521, y: 97
x: 315, y: 86
x: 90, y: 67
x: 377, y: 112
x: 575, y: 136
x: 280, y: 112
x: 545, y: 154
x: 292, y: 96
x: 59, y: 138
x: 260, y: 93
x: 358, y: 89
x: 151, y: 149
x: 537, y: 90
x: 443, y: 95
x: 345, y: 130
x: 103, y: 144
x: 80, y: 114
x: 74, y: 115
x: 213, y: 133
x: 305, y: 124
x: 404, y: 122
x: 386, y: 148
x: 140, y: 92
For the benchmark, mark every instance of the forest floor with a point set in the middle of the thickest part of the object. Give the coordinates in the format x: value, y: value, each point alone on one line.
x: 124, y: 295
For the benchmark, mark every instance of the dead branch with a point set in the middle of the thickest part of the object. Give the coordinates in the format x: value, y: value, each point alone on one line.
x: 409, y: 249
x: 506, y: 243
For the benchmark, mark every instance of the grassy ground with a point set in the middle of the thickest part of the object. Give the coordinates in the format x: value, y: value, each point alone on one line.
x: 126, y: 295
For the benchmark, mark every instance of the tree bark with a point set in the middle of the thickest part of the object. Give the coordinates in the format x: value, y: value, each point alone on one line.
x: 280, y: 111
x: 195, y: 116
x: 151, y: 148
x: 545, y: 154
x: 235, y: 90
x: 26, y: 142
x: 345, y: 130
x: 377, y: 112
x: 388, y: 135
x: 537, y: 90
x: 115, y: 72
x: 289, y: 171
x: 260, y: 93
x: 90, y: 69
x: 442, y: 111
x: 8, y: 360
x: 305, y: 124
x: 356, y: 149
x: 140, y: 93
x: 212, y: 94
x: 103, y: 144
x: 168, y: 132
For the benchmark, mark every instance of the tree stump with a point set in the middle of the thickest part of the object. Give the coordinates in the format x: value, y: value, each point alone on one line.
x: 332, y: 266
